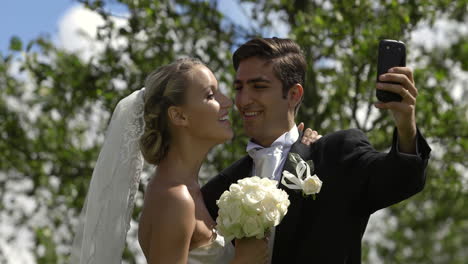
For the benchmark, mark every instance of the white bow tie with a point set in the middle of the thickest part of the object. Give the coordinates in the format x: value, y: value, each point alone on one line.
x: 266, y: 160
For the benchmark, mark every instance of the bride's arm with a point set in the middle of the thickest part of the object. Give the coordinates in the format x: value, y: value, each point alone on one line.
x: 173, y: 225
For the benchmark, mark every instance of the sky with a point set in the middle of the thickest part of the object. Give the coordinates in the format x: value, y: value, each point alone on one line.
x: 28, y: 19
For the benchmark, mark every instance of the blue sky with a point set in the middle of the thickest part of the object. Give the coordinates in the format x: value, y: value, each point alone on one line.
x: 27, y: 19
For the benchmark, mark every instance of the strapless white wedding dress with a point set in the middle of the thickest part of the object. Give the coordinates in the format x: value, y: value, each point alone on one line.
x: 218, y: 251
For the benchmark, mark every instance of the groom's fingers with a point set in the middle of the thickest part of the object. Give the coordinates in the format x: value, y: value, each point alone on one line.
x: 300, y: 127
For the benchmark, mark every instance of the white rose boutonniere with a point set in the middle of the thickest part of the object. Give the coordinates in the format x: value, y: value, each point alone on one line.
x: 250, y: 208
x: 303, y: 180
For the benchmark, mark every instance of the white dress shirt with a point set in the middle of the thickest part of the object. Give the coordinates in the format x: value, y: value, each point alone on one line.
x: 269, y: 162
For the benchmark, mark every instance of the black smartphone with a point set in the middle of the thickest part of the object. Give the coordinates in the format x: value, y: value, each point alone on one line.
x: 392, y: 53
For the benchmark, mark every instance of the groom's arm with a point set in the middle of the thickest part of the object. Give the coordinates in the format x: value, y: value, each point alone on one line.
x: 386, y: 178
x: 374, y: 179
x: 405, y: 173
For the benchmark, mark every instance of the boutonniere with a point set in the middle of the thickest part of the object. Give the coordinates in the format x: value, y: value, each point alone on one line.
x: 303, y: 180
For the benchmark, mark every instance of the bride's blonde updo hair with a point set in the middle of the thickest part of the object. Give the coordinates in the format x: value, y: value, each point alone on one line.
x: 164, y: 87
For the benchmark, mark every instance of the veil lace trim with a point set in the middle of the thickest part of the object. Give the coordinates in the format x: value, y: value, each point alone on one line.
x: 105, y: 219
x: 132, y: 135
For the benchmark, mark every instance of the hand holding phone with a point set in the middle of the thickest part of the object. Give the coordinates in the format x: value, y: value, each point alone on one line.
x: 392, y: 53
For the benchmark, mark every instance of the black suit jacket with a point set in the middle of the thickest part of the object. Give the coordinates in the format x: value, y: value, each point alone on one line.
x: 357, y: 181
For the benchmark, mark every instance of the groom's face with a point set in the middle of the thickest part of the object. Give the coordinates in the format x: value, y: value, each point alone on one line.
x: 259, y: 99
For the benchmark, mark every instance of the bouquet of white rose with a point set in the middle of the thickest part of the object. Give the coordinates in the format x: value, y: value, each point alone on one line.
x: 250, y: 208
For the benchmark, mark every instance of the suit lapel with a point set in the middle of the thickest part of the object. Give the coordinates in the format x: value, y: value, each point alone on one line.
x: 239, y: 170
x: 287, y: 228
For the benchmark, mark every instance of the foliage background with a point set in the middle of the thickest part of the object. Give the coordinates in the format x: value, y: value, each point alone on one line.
x: 54, y: 109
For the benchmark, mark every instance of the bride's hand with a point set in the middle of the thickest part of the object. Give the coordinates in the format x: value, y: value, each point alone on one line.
x: 309, y: 136
x: 251, y: 250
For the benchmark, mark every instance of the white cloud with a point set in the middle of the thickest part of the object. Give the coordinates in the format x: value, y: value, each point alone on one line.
x: 78, y: 28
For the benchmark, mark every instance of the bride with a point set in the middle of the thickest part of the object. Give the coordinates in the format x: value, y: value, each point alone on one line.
x: 186, y: 115
x: 173, y: 122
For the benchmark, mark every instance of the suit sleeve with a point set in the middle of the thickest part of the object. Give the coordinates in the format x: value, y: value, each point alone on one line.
x: 404, y: 173
x: 383, y: 178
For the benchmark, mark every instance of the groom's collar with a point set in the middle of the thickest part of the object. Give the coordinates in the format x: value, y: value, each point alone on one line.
x: 243, y: 167
x: 286, y: 140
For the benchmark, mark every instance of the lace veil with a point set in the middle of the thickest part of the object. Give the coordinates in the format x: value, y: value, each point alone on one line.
x: 105, y: 219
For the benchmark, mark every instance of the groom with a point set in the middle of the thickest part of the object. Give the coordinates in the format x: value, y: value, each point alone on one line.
x: 357, y: 179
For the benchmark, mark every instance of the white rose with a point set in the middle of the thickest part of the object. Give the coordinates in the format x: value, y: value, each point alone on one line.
x: 267, y: 183
x: 270, y: 211
x: 272, y: 218
x: 235, y: 191
x: 233, y: 210
x: 254, y: 196
x: 311, y: 185
x: 231, y: 230
x: 253, y: 228
x: 249, y: 183
x: 250, y: 208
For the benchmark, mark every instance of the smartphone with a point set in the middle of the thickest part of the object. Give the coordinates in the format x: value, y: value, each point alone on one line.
x: 392, y: 53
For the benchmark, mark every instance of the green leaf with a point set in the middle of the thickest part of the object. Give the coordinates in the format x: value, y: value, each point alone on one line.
x: 16, y: 44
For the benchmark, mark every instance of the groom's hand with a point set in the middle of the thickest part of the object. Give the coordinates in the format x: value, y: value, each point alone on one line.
x: 310, y: 136
x: 403, y: 112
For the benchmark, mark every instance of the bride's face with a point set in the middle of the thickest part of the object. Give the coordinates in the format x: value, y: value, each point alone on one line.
x: 207, y: 108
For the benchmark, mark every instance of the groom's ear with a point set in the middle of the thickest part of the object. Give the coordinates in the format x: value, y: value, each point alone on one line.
x: 295, y: 94
x: 177, y: 116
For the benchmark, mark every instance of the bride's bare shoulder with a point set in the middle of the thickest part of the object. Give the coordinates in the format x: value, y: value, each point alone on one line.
x: 168, y: 212
x: 165, y: 207
x: 163, y: 197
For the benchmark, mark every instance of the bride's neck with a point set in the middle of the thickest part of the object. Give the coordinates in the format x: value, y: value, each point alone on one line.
x: 184, y: 160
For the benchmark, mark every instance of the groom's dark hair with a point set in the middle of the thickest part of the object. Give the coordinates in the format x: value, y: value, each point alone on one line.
x: 289, y: 64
